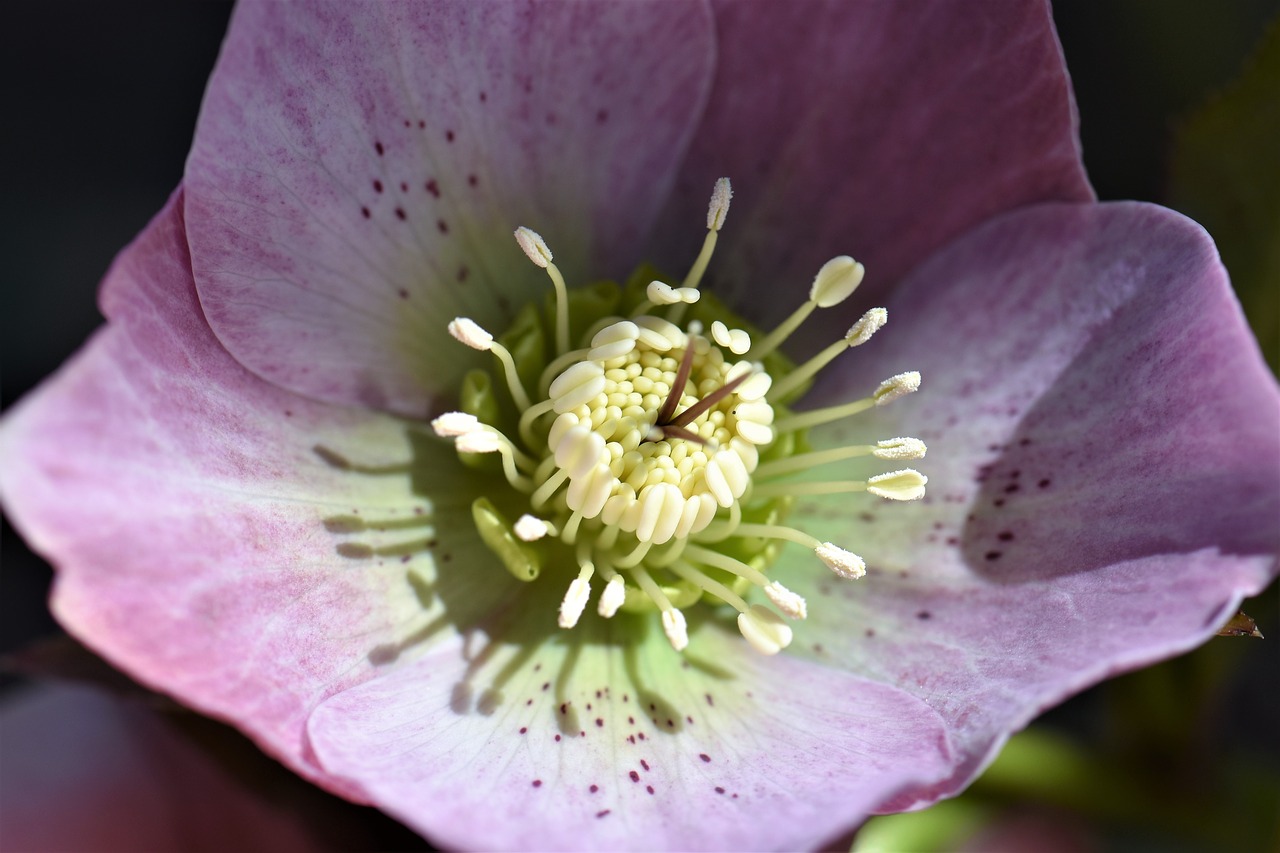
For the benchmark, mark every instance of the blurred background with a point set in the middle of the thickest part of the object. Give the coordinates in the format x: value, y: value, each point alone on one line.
x: 1179, y: 103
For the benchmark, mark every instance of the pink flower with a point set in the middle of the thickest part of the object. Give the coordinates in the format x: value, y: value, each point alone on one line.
x: 247, y: 510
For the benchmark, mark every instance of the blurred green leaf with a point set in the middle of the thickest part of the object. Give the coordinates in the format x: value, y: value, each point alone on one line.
x: 1225, y: 173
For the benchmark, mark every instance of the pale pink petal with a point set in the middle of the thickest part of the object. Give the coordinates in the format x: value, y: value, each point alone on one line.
x: 358, y: 171
x: 876, y: 129
x: 197, y: 515
x: 1104, y: 464
x: 608, y: 744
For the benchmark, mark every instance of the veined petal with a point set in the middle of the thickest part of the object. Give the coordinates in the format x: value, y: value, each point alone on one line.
x: 892, y: 127
x: 609, y: 743
x: 200, y: 517
x: 358, y: 170
x: 1104, y: 442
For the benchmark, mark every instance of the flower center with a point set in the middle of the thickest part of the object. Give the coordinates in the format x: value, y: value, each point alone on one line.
x: 656, y: 453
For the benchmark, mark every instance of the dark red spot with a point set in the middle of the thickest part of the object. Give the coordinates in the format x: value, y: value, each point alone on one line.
x: 524, y: 729
x: 537, y: 783
x: 582, y: 734
x: 557, y: 738
x: 652, y: 707
x: 649, y: 788
x: 626, y: 697
x: 602, y: 116
x: 377, y: 146
x: 472, y: 180
x: 404, y: 294
x: 406, y: 123
x: 711, y: 701
x: 924, y: 614
x: 635, y: 777
x: 688, y: 719
x: 594, y: 788
x: 870, y: 632
x: 640, y: 735
x: 463, y: 272
x: 484, y: 96
x: 705, y: 757
x: 599, y: 723
x: 377, y: 185
x: 443, y: 226
x: 421, y: 124
x: 1044, y: 484
x: 564, y: 708
x: 671, y: 724
x: 1011, y: 488
x: 405, y: 558
x: 1015, y: 474
x: 602, y: 812
x: 288, y: 413
x: 433, y: 188
x: 448, y: 135
x: 998, y: 502
x: 631, y: 720
x: 992, y: 555
x: 953, y: 540
x: 546, y: 685
x: 404, y: 187
x: 364, y: 211
x: 400, y: 214
x: 719, y: 790
x: 631, y: 739
x: 645, y: 765
x: 1024, y: 442
x: 528, y: 702
x: 1005, y: 536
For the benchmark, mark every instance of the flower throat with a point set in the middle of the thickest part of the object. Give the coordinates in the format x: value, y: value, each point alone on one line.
x: 646, y: 437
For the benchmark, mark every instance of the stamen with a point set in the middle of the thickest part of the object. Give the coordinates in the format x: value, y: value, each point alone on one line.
x: 905, y: 485
x: 470, y: 333
x: 660, y: 294
x: 673, y: 622
x: 489, y: 441
x: 844, y: 563
x: 859, y: 333
x: 734, y: 340
x: 579, y: 592
x: 764, y: 630
x: 531, y: 529
x: 833, y: 284
x: 890, y: 389
x: 716, y: 213
x: 615, y: 593
x: 538, y: 252
x: 891, y: 448
x: 454, y: 424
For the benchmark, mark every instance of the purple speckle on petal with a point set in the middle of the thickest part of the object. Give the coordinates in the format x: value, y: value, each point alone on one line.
x: 448, y: 135
x: 377, y: 146
x: 537, y: 783
x: 433, y: 188
x: 400, y: 214
x: 635, y: 777
x: 993, y: 555
x: 377, y: 185
x: 443, y: 226
x: 705, y: 757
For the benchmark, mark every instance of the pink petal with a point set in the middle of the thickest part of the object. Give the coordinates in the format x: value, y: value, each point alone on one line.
x: 880, y: 130
x: 1104, y: 463
x: 450, y: 124
x: 614, y: 747
x: 84, y: 770
x: 185, y: 505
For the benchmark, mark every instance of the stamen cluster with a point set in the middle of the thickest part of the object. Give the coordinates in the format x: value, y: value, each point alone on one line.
x: 653, y: 450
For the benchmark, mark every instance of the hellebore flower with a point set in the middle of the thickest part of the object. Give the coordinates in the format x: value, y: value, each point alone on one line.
x: 248, y: 509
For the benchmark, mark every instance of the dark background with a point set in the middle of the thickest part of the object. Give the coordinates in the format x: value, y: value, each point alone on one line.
x: 99, y: 104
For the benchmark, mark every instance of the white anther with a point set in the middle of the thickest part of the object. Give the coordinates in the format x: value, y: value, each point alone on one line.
x: 676, y: 629
x: 787, y: 601
x: 453, y: 424
x: 470, y: 333
x: 764, y: 630
x: 658, y: 334
x: 846, y: 564
x: 588, y: 494
x: 900, y: 448
x: 530, y: 528
x: 534, y: 246
x: 719, y: 207
x: 897, y: 386
x: 747, y: 452
x: 734, y: 340
x: 579, y: 384
x: 870, y: 323
x: 837, y: 279
x: 753, y: 419
x: 614, y: 341
x: 615, y: 592
x: 656, y: 503
x: 755, y: 386
x: 904, y: 485
x: 579, y: 451
x: 664, y: 294
x: 480, y: 441
x: 575, y: 599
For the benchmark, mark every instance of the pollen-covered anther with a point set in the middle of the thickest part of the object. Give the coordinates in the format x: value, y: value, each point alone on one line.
x: 900, y: 448
x: 718, y: 209
x: 530, y: 528
x: 764, y: 630
x: 844, y: 563
x: 534, y: 246
x: 480, y: 441
x: 790, y: 603
x: 905, y: 485
x: 470, y: 333
x: 454, y: 424
x: 868, y: 324
x: 676, y: 629
x: 615, y: 592
x: 897, y: 386
x: 574, y: 602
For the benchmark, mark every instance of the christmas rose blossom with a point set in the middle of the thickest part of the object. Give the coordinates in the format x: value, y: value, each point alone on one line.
x: 247, y: 508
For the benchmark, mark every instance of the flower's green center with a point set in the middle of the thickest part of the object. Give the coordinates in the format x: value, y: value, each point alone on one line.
x: 654, y: 454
